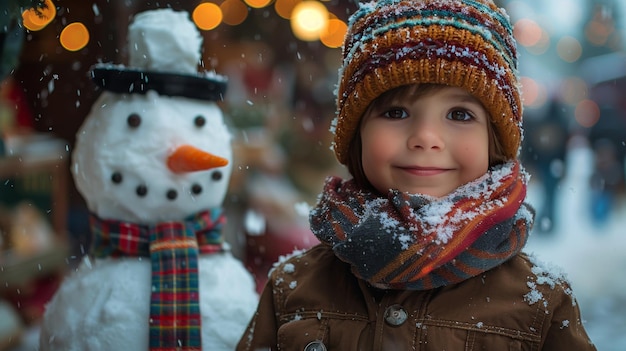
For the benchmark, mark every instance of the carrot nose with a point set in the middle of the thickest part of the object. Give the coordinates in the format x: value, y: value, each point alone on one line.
x: 187, y: 158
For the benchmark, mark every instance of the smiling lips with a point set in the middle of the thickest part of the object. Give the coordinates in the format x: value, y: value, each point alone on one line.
x: 425, y: 171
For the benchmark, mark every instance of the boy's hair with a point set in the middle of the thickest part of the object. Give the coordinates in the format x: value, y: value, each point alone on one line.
x: 497, y: 153
x: 392, y: 43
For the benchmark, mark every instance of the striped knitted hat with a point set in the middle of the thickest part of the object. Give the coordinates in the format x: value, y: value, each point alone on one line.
x: 462, y: 43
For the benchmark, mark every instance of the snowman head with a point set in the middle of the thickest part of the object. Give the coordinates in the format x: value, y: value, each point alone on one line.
x: 154, y: 146
x: 137, y: 157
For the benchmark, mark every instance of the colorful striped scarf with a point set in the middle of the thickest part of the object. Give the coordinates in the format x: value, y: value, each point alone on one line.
x: 173, y: 248
x: 418, y: 242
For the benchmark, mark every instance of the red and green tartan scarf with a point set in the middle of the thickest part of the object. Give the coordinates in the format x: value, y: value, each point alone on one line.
x: 173, y: 248
x: 419, y: 242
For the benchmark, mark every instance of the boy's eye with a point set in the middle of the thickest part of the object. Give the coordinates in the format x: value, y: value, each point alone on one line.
x: 395, y: 113
x: 459, y: 115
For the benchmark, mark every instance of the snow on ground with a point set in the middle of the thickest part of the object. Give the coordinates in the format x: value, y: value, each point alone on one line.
x: 594, y: 258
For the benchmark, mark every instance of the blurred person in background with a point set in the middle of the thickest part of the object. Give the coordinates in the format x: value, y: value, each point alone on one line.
x: 544, y: 151
x: 607, y: 139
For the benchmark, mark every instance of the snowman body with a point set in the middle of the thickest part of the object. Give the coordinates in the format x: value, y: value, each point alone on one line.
x: 120, y: 168
x: 104, y: 305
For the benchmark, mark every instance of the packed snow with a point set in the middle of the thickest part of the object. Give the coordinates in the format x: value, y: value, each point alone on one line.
x: 164, y: 48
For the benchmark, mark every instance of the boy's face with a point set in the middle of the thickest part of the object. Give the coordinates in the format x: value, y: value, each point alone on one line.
x: 430, y: 144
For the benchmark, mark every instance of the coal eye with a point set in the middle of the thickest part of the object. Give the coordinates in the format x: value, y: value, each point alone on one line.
x: 133, y: 120
x: 141, y: 190
x: 196, y: 189
x: 217, y: 175
x: 199, y: 121
x: 116, y: 177
x: 171, y: 194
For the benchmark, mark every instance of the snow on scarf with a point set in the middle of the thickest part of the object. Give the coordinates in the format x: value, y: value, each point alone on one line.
x: 419, y: 242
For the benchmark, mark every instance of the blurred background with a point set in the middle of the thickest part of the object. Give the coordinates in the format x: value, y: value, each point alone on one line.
x: 281, y: 58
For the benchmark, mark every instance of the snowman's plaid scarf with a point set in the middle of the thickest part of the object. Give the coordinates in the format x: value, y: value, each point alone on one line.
x: 418, y: 242
x: 173, y: 248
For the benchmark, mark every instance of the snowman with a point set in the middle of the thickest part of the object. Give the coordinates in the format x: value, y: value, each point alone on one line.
x: 153, y: 160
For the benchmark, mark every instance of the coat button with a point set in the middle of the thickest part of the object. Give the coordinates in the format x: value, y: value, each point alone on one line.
x: 316, y: 345
x: 395, y: 315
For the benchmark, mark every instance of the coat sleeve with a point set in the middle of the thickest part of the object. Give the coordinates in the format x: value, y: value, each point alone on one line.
x: 260, y: 335
x: 565, y: 330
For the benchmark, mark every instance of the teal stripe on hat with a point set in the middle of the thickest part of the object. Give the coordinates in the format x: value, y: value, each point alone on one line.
x: 470, y: 24
x: 445, y: 17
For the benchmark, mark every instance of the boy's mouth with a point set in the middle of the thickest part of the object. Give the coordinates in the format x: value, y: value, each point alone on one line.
x: 424, y: 171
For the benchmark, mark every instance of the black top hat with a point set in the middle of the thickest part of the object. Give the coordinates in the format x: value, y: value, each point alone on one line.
x: 124, y: 80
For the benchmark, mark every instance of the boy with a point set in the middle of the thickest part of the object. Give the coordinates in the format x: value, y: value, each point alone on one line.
x: 421, y: 249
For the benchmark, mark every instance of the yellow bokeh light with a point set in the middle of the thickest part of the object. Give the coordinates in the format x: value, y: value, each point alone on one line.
x: 284, y: 8
x: 569, y: 49
x: 257, y: 4
x: 234, y: 12
x: 74, y: 36
x: 332, y: 36
x: 34, y: 21
x: 207, y: 16
x: 308, y: 20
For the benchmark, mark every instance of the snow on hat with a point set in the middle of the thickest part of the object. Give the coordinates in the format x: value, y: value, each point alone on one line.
x: 467, y: 44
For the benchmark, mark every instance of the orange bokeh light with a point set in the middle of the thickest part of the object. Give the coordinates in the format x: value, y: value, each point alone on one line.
x: 74, y: 36
x: 284, y: 8
x: 334, y: 33
x: 587, y: 113
x: 569, y: 49
x: 527, y: 32
x: 534, y: 93
x: 36, y: 21
x: 207, y: 16
x: 257, y: 4
x: 234, y: 11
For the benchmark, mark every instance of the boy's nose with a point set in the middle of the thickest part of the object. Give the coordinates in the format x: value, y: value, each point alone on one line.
x: 425, y: 135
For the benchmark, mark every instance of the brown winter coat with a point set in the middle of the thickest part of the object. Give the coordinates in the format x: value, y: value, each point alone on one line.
x: 313, y: 299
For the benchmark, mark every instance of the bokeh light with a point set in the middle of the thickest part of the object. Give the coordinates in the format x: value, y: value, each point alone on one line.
x: 569, y: 49
x: 534, y: 93
x: 332, y: 36
x: 234, y: 12
x: 284, y: 8
x: 573, y: 90
x: 257, y: 4
x: 74, y: 36
x: 542, y: 46
x: 527, y: 32
x: 587, y: 113
x: 207, y: 16
x: 308, y: 20
x: 600, y: 28
x: 34, y: 21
